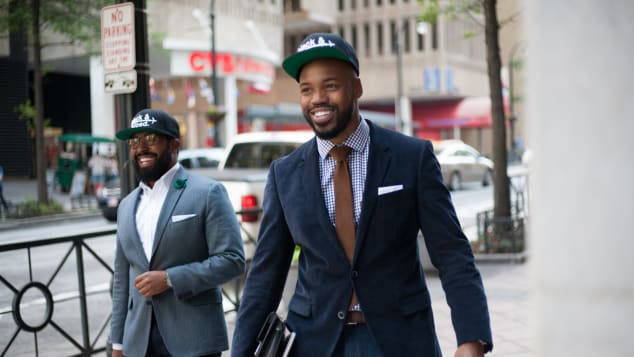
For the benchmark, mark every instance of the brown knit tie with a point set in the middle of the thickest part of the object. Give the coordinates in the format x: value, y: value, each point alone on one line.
x: 344, y: 209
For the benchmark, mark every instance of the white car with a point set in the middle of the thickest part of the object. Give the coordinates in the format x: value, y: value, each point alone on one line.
x: 462, y: 163
x: 201, y: 158
x: 258, y: 149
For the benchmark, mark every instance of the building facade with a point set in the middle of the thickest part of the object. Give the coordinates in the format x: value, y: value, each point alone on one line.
x: 431, y: 79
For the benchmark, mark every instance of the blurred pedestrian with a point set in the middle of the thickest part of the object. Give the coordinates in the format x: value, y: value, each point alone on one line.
x: 354, y: 200
x: 178, y: 241
x: 4, y: 203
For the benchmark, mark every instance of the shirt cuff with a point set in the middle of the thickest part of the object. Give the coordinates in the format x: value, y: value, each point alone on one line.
x: 117, y: 346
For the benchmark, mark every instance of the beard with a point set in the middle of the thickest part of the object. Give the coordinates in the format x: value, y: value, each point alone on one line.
x: 151, y: 174
x: 342, y: 119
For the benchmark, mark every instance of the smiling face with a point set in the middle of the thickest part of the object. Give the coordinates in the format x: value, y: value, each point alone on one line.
x: 329, y: 94
x: 153, y: 158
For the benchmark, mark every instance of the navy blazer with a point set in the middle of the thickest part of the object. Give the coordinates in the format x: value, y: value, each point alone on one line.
x: 386, y: 271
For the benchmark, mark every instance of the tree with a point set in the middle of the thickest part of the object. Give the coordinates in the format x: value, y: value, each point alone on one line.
x: 473, y: 10
x: 76, y: 23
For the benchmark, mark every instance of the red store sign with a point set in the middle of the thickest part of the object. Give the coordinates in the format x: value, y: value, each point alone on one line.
x: 191, y: 63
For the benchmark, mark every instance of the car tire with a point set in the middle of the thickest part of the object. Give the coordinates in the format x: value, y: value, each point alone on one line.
x: 488, y: 178
x: 455, y: 182
x: 109, y: 213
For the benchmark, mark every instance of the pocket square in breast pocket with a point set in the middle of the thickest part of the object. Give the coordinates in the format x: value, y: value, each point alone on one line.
x: 389, y: 189
x: 182, y: 217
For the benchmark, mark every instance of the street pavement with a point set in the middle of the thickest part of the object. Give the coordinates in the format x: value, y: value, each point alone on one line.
x: 505, y: 279
x: 506, y: 285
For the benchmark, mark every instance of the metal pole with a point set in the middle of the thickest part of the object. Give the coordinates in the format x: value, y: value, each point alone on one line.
x: 399, y: 81
x: 129, y: 104
x: 512, y: 116
x: 214, y: 75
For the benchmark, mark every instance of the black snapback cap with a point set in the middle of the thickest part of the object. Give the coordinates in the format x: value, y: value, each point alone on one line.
x: 318, y: 46
x: 151, y: 120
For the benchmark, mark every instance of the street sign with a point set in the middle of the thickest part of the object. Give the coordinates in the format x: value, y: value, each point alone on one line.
x: 120, y: 82
x: 117, y: 37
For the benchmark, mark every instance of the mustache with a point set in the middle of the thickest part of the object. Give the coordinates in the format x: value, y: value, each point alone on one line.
x: 322, y: 106
x: 145, y: 153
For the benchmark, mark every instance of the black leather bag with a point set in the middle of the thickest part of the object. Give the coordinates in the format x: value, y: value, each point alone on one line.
x: 274, y: 338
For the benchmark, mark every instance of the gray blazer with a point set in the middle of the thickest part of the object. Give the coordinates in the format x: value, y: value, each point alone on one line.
x: 198, y: 242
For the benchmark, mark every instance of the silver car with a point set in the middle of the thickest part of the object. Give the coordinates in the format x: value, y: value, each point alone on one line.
x: 462, y: 163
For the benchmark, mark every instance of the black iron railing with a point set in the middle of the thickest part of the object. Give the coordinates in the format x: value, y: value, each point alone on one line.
x: 86, y: 344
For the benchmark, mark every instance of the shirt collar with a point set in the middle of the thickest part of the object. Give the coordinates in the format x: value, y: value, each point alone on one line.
x: 164, y: 181
x: 357, y: 140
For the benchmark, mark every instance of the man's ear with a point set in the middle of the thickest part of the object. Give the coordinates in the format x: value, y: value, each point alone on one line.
x: 358, y: 88
x: 175, y: 145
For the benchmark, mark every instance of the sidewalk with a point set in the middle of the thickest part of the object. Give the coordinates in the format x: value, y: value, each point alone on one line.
x: 17, y: 190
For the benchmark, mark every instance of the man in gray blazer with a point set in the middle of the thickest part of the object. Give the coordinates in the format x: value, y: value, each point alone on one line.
x: 178, y: 241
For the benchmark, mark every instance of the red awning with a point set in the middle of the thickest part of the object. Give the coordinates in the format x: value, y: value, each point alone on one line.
x: 472, y: 112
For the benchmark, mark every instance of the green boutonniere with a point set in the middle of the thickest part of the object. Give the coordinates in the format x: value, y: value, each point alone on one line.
x: 180, y: 183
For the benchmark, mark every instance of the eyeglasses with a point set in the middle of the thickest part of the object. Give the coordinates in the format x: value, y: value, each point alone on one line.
x: 148, y: 139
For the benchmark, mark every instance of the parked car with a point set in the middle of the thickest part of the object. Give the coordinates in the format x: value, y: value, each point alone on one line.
x: 461, y: 163
x: 201, y: 158
x: 108, y: 199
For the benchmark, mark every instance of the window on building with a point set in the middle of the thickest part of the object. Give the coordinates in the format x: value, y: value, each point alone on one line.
x: 392, y: 2
x: 434, y: 36
x: 292, y: 5
x: 366, y: 37
x: 341, y: 5
x: 366, y: 3
x: 406, y: 36
x: 379, y: 38
x: 353, y: 4
x: 420, y: 42
x: 353, y: 36
x: 379, y: 2
x: 393, y: 34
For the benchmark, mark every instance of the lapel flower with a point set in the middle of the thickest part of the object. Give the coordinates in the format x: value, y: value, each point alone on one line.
x: 180, y: 183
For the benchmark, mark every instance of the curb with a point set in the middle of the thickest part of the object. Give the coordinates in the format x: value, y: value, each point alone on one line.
x: 39, y: 220
x: 518, y: 258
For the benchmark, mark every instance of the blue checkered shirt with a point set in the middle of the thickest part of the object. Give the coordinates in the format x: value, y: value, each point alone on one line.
x: 359, y: 141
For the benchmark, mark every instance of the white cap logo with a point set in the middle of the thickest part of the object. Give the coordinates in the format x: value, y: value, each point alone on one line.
x: 312, y: 44
x: 142, y: 121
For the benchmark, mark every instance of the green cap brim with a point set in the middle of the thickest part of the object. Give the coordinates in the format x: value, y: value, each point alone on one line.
x: 294, y: 63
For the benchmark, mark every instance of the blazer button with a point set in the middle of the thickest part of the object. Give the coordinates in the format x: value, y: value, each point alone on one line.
x: 341, y: 315
x: 355, y: 274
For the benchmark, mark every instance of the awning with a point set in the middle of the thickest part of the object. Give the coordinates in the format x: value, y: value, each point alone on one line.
x: 84, y: 138
x: 472, y: 112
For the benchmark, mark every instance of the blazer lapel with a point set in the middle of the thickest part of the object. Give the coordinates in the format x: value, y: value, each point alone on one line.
x: 173, y: 195
x: 129, y: 215
x: 315, y: 198
x: 378, y: 163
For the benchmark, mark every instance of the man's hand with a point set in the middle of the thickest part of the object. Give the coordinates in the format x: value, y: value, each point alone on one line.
x: 117, y: 353
x: 470, y: 349
x: 151, y: 283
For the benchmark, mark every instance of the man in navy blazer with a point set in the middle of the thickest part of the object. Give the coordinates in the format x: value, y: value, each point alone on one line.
x: 178, y: 241
x: 398, y: 191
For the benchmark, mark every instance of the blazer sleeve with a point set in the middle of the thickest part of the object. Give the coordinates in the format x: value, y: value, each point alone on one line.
x: 119, y: 294
x: 225, y: 259
x: 267, y: 274
x: 450, y: 252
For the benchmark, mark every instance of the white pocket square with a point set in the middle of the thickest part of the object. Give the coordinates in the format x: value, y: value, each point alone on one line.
x: 182, y: 217
x: 388, y: 189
